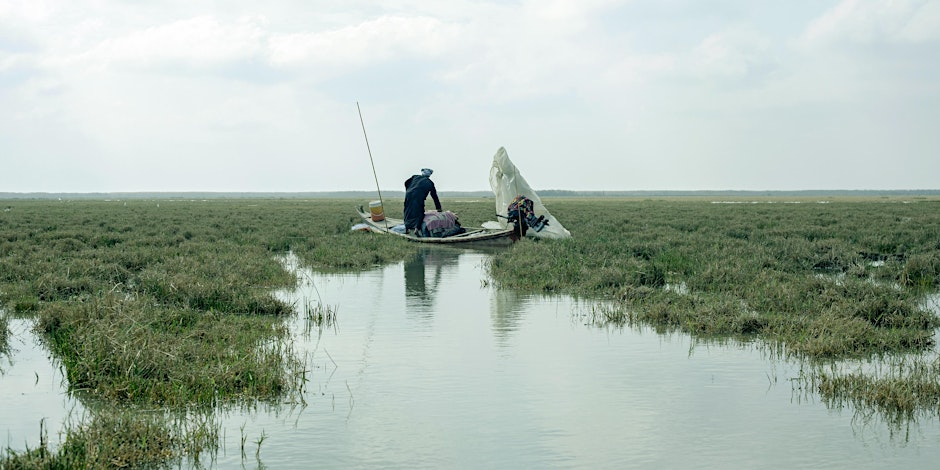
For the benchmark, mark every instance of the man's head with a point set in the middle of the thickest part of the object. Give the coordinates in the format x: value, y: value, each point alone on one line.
x: 426, y: 171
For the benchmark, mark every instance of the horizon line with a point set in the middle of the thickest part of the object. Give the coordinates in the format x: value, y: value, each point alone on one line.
x: 400, y: 193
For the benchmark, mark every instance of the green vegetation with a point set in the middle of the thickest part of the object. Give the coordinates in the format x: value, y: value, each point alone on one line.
x: 4, y: 337
x: 835, y: 280
x: 830, y: 283
x: 897, y: 390
x: 167, y: 305
x: 121, y: 439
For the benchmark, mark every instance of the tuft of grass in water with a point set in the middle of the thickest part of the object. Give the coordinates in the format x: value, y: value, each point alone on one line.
x: 4, y: 335
x: 898, y: 390
x: 319, y: 315
x: 260, y: 441
x: 110, y: 439
x: 123, y: 438
x: 921, y: 271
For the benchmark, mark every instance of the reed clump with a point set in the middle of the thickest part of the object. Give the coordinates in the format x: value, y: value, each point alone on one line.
x: 130, y: 350
x: 121, y: 438
x: 106, y: 440
x: 4, y: 335
x: 898, y: 390
x: 320, y: 315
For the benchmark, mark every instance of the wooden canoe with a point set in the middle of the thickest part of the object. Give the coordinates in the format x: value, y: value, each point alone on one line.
x: 474, y: 236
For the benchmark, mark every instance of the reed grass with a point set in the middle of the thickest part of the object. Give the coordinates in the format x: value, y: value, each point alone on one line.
x: 818, y: 282
x: 164, y: 306
x: 320, y: 315
x: 168, y: 304
x: 107, y: 440
x: 795, y: 274
x: 123, y: 438
x: 897, y: 390
x: 135, y: 351
x: 4, y: 339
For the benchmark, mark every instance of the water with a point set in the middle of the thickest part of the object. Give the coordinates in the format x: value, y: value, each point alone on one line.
x: 33, y: 394
x: 428, y: 366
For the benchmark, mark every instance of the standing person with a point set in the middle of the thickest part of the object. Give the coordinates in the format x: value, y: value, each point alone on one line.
x: 417, y: 189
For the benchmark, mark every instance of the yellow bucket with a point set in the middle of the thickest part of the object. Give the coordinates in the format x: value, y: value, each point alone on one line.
x: 375, y: 208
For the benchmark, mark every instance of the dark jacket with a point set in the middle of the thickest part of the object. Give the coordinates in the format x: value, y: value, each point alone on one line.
x: 417, y: 189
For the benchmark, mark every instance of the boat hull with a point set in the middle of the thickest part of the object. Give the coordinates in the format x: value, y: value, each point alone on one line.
x: 474, y: 236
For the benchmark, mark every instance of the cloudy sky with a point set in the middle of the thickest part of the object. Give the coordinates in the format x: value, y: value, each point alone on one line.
x: 183, y: 95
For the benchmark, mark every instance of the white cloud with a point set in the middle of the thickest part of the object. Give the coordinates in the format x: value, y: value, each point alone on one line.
x: 639, y: 69
x: 535, y: 50
x: 382, y: 39
x: 194, y: 42
x: 26, y: 10
x: 732, y: 53
x: 924, y: 26
x: 566, y: 16
x: 881, y: 21
x: 674, y: 95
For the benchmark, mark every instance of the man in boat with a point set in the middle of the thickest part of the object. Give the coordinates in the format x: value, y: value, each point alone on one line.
x: 417, y: 189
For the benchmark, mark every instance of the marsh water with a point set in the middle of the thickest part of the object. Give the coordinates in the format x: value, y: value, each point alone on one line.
x: 427, y: 365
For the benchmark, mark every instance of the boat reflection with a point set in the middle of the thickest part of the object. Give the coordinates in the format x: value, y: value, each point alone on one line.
x: 506, y: 312
x: 423, y: 278
x: 423, y: 275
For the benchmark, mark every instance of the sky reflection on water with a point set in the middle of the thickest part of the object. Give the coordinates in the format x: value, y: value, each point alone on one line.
x: 435, y: 368
x: 33, y: 392
x: 428, y: 366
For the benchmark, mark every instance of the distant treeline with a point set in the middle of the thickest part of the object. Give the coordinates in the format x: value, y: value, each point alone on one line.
x: 452, y: 194
x: 748, y: 193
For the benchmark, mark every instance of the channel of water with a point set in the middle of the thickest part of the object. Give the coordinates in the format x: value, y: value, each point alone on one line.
x: 428, y: 365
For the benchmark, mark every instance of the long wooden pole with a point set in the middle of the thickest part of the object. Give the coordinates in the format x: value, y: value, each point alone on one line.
x: 374, y: 174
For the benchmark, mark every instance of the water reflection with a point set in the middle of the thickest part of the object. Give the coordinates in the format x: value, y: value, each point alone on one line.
x: 423, y: 276
x: 506, y: 312
x: 437, y: 369
x: 33, y: 391
x: 487, y: 377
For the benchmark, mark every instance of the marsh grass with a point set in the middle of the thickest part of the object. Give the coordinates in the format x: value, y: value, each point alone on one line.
x: 168, y: 305
x: 896, y: 389
x: 817, y: 282
x: 124, y: 438
x: 4, y: 335
x: 106, y: 440
x: 319, y: 315
x: 131, y: 350
x: 155, y: 306
x: 794, y: 274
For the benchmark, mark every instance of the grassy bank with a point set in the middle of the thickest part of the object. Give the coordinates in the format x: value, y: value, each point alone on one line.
x: 167, y: 305
x: 162, y: 305
x: 829, y: 283
x: 841, y: 279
